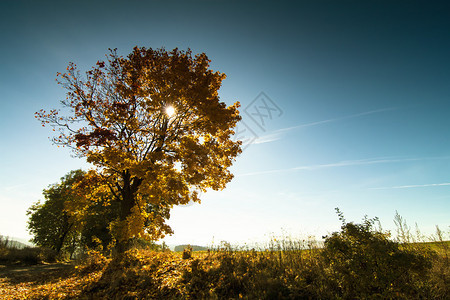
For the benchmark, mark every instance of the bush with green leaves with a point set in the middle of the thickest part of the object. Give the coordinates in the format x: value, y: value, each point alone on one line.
x: 364, y: 263
x: 11, y: 253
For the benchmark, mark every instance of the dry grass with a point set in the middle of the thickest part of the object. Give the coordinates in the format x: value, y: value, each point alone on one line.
x: 222, y: 274
x: 287, y: 269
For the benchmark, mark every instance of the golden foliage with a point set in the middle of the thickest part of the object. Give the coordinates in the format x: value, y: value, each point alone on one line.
x: 147, y: 159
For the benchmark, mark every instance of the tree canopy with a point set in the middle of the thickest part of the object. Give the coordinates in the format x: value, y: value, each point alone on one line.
x: 49, y: 222
x: 155, y: 129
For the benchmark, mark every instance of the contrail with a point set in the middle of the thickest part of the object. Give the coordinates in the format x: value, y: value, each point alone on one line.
x: 346, y: 163
x: 412, y: 186
x: 276, y: 134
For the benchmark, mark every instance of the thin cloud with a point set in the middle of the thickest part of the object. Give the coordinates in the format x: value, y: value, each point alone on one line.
x: 277, y: 134
x: 412, y: 186
x: 360, y: 162
x: 347, y: 163
x: 370, y: 112
x: 268, y: 138
x: 13, y: 187
x: 264, y: 172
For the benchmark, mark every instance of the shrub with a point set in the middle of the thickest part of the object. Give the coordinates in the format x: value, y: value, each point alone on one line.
x: 440, y: 276
x: 363, y: 262
x: 187, y: 252
x: 92, y: 262
x: 11, y: 254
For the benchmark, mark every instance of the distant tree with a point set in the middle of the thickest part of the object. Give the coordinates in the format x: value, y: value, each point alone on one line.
x: 69, y: 218
x: 49, y: 222
x: 153, y: 125
x: 181, y: 248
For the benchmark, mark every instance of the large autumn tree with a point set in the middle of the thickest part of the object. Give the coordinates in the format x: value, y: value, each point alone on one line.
x: 153, y: 125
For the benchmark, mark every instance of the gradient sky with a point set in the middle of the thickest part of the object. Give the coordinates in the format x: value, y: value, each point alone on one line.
x: 358, y: 95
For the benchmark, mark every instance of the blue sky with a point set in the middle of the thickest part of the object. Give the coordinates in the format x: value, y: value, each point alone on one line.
x: 355, y: 114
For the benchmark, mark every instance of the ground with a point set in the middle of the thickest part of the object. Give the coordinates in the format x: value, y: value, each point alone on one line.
x: 50, y: 281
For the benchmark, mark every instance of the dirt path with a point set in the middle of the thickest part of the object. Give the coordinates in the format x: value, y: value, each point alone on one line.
x: 7, y: 271
x: 17, y: 269
x: 49, y: 281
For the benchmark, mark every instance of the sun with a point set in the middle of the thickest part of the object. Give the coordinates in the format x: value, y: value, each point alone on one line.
x: 170, y: 110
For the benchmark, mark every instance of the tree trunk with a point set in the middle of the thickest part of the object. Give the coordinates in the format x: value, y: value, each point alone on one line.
x: 66, y: 230
x: 128, y: 193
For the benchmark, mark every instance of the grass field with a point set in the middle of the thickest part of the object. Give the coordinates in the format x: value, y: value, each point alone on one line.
x: 285, y: 271
x: 357, y: 262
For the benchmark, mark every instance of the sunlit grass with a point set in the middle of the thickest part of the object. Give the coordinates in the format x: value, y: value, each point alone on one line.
x: 283, y: 268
